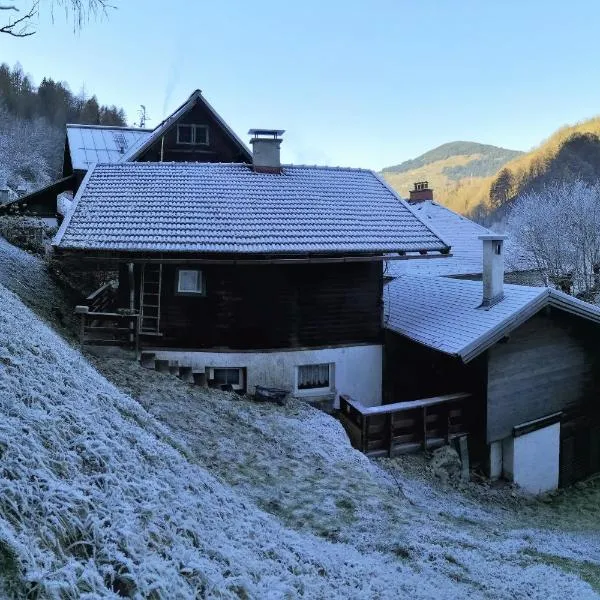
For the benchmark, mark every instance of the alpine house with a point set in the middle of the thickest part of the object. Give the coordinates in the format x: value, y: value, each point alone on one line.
x: 250, y: 274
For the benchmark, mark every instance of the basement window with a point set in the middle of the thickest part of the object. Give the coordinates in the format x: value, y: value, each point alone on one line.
x: 192, y: 135
x: 225, y: 378
x: 314, y: 377
x: 190, y: 281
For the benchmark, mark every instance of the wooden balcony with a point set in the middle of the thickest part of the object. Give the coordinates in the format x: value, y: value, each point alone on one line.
x: 404, y: 427
x: 101, y: 324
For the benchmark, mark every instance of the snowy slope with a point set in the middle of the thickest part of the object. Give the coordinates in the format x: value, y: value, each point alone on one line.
x: 226, y: 498
x: 94, y: 497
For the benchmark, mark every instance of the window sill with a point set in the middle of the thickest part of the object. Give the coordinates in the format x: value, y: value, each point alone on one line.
x: 192, y: 294
x: 324, y: 391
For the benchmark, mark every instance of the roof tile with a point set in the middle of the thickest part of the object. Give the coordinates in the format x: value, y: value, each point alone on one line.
x: 218, y: 207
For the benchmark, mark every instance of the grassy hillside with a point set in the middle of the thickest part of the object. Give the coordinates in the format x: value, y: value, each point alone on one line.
x: 451, y: 168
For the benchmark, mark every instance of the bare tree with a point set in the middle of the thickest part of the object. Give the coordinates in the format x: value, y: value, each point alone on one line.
x: 21, y: 22
x: 559, y: 228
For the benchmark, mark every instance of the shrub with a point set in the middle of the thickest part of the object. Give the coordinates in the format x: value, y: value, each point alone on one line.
x: 28, y: 233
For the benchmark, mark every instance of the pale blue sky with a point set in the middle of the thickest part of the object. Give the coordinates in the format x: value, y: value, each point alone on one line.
x: 354, y: 82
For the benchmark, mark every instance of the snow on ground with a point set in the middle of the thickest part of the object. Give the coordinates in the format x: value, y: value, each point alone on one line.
x: 195, y: 493
x: 296, y: 463
x: 27, y: 276
x: 96, y: 499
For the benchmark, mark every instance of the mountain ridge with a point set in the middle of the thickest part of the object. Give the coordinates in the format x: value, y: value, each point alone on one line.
x: 455, y: 170
x: 448, y: 150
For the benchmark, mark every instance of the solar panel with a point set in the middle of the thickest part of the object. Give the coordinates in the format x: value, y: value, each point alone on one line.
x: 120, y: 142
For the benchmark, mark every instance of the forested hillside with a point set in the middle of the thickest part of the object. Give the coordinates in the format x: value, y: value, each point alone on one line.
x: 461, y: 183
x: 32, y: 125
x: 449, y: 168
x: 573, y: 152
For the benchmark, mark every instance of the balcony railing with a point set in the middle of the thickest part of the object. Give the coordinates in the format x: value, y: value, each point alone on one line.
x: 405, y: 427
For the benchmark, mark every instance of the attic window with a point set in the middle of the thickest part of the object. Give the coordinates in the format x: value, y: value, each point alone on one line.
x: 192, y: 135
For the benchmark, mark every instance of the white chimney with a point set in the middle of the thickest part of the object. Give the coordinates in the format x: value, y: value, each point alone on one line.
x: 493, y: 268
x: 266, y: 150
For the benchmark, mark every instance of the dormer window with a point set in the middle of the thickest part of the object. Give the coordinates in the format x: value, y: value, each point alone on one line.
x: 192, y: 135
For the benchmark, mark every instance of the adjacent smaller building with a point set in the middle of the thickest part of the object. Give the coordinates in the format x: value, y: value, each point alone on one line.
x: 529, y: 356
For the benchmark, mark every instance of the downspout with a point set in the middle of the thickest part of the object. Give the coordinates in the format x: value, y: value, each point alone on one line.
x: 162, y: 148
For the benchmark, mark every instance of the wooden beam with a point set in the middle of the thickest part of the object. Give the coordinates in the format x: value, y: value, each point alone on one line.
x: 149, y: 259
x: 403, y: 406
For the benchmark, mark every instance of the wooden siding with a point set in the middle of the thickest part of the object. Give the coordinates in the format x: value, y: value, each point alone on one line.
x: 270, y: 306
x: 579, y: 445
x: 549, y: 364
x: 221, y: 147
x: 413, y: 371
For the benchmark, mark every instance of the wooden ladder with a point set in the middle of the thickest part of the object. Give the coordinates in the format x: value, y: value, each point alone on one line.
x: 150, y: 292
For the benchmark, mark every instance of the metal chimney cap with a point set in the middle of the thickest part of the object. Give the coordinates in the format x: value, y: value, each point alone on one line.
x: 272, y: 132
x: 494, y: 237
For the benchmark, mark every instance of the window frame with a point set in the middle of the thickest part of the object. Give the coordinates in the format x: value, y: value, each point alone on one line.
x: 193, y: 137
x: 241, y: 386
x: 316, y: 390
x: 200, y: 293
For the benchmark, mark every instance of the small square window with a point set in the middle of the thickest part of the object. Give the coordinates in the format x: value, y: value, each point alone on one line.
x: 190, y: 281
x: 314, y: 377
x: 231, y: 378
x: 227, y: 376
x: 184, y: 134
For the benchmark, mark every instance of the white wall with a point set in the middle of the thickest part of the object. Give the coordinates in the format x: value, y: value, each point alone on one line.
x: 495, y: 460
x: 532, y: 460
x: 357, y: 371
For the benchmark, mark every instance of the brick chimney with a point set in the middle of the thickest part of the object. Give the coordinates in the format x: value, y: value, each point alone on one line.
x: 421, y: 192
x: 493, y: 268
x: 266, y: 150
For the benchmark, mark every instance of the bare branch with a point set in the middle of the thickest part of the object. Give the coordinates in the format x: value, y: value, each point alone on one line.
x: 20, y: 27
x: 81, y: 11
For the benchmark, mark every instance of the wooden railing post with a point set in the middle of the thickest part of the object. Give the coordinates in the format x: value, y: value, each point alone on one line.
x: 82, y: 311
x: 424, y: 428
x: 390, y: 433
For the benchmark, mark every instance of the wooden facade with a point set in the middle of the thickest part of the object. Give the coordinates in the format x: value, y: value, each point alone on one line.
x: 266, y: 306
x: 548, y: 365
x: 221, y: 147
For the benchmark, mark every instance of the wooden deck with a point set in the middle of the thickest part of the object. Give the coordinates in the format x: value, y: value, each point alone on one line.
x: 101, y: 325
x: 404, y: 427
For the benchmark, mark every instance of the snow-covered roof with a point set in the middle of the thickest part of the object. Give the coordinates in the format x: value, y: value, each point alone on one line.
x: 137, y: 149
x: 89, y: 144
x: 227, y: 207
x: 467, y: 250
x: 458, y: 231
x: 445, y: 314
